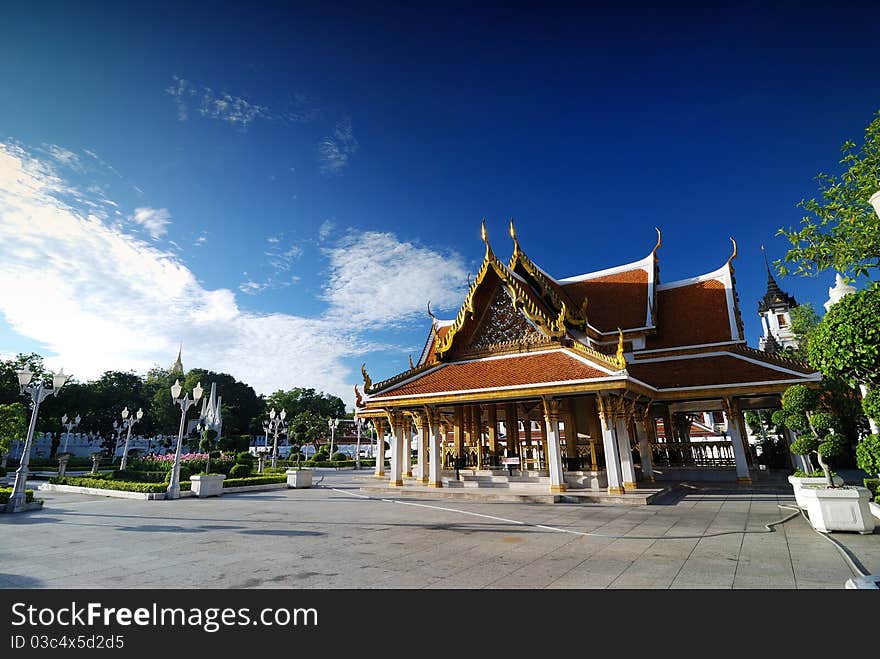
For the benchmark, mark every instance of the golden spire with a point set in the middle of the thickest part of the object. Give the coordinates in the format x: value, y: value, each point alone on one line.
x: 621, y: 360
x: 368, y: 383
x: 512, y: 230
x: 483, y: 233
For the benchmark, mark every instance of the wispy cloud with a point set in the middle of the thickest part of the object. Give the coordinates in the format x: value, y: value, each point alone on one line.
x: 335, y: 151
x: 154, y: 220
x: 378, y: 281
x: 325, y: 230
x: 236, y: 110
x: 281, y: 258
x: 201, y: 239
x: 127, y: 304
x: 64, y: 156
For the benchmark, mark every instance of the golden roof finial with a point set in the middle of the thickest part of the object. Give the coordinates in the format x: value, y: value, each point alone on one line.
x: 621, y: 360
x: 411, y: 367
x: 357, y: 397
x: 429, y: 311
x: 512, y: 230
x: 368, y: 383
x: 659, y: 241
x: 732, y: 256
x: 483, y: 234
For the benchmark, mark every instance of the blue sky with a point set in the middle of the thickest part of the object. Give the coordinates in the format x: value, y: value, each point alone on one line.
x: 282, y: 188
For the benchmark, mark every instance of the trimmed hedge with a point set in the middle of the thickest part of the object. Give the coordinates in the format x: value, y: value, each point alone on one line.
x: 124, y: 486
x: 240, y: 471
x: 253, y: 480
x: 873, y: 484
x: 6, y: 492
x: 136, y: 476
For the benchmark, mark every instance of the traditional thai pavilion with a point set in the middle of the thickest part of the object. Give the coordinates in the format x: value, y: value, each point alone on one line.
x: 592, y: 381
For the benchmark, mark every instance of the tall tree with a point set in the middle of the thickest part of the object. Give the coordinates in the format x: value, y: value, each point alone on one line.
x: 13, y: 425
x: 841, y: 230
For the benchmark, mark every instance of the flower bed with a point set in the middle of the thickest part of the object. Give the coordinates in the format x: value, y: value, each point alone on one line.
x: 110, y: 484
x: 254, y: 480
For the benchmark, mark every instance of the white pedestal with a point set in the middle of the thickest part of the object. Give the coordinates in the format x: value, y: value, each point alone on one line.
x: 209, y: 485
x: 299, y: 477
x: 798, y: 484
x: 839, y: 509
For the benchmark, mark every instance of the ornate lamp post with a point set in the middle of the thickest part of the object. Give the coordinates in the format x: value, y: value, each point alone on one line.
x: 332, y: 424
x: 273, y: 425
x: 173, y: 489
x: 127, y: 422
x: 359, y: 424
x: 64, y: 456
x: 38, y: 392
x: 68, y: 425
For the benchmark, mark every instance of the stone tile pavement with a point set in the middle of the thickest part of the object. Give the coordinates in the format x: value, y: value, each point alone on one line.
x: 334, y: 536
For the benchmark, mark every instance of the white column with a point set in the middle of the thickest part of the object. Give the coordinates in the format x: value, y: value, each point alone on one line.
x: 627, y: 468
x: 434, y: 468
x: 554, y: 457
x: 422, y: 467
x: 645, y: 447
x: 396, y: 444
x: 406, y: 455
x: 734, y: 429
x: 612, y: 453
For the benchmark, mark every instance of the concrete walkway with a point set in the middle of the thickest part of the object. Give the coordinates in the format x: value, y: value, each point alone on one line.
x: 335, y: 536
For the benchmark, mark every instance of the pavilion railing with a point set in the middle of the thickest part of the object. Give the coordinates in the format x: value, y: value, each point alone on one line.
x: 711, y: 454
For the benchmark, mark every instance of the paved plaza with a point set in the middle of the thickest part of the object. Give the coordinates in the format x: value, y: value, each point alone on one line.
x: 335, y: 536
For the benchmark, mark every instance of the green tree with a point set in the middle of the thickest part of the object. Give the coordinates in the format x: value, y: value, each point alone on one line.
x: 804, y: 321
x: 299, y: 399
x: 814, y: 428
x: 13, y: 425
x: 841, y: 231
x: 846, y: 344
x: 309, y: 428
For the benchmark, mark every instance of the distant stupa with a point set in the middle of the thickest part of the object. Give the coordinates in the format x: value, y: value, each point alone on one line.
x: 177, y: 366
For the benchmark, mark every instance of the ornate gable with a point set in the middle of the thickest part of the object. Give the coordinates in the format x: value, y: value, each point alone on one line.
x: 502, y: 326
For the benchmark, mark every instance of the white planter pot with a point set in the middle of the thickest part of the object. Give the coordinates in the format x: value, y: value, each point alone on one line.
x: 839, y: 509
x: 299, y: 477
x: 798, y: 482
x: 210, y: 485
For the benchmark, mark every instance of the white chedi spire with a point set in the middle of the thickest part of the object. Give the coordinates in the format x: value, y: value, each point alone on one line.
x: 839, y: 290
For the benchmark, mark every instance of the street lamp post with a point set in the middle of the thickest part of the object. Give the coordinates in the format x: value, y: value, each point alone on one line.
x: 38, y: 392
x: 273, y: 425
x: 173, y: 489
x: 68, y: 425
x: 127, y: 422
x: 332, y: 424
x: 359, y: 424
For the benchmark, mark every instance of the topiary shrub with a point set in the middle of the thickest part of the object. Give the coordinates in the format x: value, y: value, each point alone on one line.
x: 339, y: 457
x: 811, y: 427
x: 871, y: 404
x: 868, y: 455
x: 240, y: 471
x: 185, y: 473
x: 244, y: 458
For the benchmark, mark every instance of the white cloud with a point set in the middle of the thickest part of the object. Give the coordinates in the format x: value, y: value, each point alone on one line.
x: 64, y: 156
x: 378, y: 281
x: 335, y: 151
x: 154, y: 220
x: 99, y: 299
x: 325, y: 230
x: 232, y: 109
x: 201, y: 239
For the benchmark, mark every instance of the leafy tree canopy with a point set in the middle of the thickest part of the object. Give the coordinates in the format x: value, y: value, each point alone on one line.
x: 841, y: 230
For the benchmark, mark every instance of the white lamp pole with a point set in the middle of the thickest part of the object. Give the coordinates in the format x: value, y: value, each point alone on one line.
x: 273, y: 425
x: 127, y: 422
x: 68, y: 425
x: 38, y: 392
x: 359, y: 424
x: 173, y: 489
x: 332, y: 424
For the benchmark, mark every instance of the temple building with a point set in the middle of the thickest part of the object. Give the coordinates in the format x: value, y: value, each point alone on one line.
x: 775, y: 312
x: 600, y: 381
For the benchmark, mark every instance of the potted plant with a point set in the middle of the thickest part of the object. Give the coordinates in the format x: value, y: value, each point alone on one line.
x: 831, y: 505
x: 208, y: 484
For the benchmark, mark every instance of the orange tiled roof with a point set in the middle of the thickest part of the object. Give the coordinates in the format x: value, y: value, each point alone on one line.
x: 531, y: 368
x: 690, y: 315
x: 616, y: 300
x: 704, y: 371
